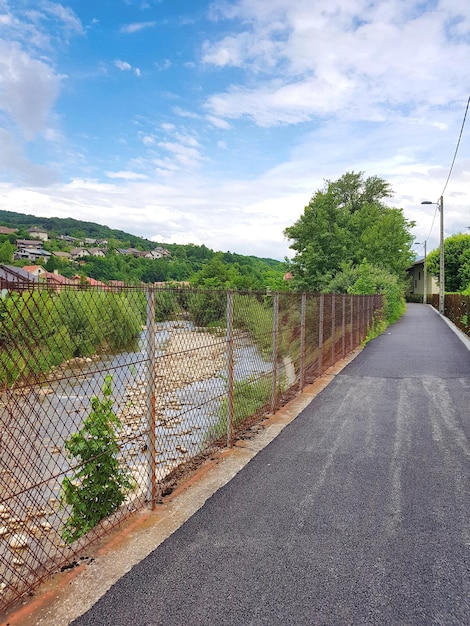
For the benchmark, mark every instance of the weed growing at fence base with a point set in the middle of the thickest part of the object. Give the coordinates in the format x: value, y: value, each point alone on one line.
x: 249, y: 396
x: 99, y: 485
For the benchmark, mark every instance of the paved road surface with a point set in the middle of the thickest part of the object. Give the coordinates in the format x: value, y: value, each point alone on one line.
x: 358, y: 513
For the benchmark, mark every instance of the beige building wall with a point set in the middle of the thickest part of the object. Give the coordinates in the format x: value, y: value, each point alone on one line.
x: 416, y: 280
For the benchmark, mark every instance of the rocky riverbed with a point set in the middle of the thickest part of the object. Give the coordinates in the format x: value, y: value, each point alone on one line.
x: 189, y: 388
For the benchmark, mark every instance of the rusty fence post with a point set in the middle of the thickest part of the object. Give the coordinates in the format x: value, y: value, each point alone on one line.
x: 358, y: 320
x: 230, y: 379
x: 351, y: 331
x: 333, y: 328
x: 302, y: 341
x: 320, y: 335
x: 343, y: 326
x: 366, y: 313
x: 150, y: 397
x: 275, y: 351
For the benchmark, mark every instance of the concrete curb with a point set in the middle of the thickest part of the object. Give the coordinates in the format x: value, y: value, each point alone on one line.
x: 462, y: 336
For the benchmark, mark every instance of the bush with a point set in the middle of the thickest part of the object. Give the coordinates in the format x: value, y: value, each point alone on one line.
x: 368, y: 279
x: 208, y: 308
x: 41, y: 329
x: 98, y: 485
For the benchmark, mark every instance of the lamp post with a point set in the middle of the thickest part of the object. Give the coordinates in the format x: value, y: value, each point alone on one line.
x: 440, y: 206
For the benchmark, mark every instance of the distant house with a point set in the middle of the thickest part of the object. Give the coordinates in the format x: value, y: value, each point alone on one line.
x: 27, y: 251
x: 67, y: 238
x: 4, y: 230
x: 78, y: 253
x: 89, y: 242
x: 56, y: 280
x: 39, y: 233
x: 36, y: 270
x: 53, y: 279
x: 416, y: 281
x: 28, y: 244
x: 97, y: 252
x: 77, y: 280
x: 157, y: 253
x: 62, y: 255
x: 130, y: 251
x: 15, y: 277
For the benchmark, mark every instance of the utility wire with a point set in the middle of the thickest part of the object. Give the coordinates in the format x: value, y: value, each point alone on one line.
x: 451, y: 167
x: 433, y: 220
x: 457, y: 147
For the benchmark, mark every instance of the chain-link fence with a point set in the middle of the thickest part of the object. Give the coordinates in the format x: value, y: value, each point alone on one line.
x: 107, y: 395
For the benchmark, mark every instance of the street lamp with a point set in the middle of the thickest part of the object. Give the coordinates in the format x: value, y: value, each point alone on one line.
x: 425, y: 276
x: 440, y: 206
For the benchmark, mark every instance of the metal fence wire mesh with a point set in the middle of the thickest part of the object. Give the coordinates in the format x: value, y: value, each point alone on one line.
x: 112, y: 393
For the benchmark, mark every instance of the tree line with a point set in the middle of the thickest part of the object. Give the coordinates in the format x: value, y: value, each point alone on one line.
x: 348, y: 240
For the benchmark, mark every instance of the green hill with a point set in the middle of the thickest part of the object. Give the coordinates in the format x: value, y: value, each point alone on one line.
x: 197, y: 264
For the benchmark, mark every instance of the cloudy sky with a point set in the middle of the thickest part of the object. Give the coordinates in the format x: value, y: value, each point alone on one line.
x: 215, y: 121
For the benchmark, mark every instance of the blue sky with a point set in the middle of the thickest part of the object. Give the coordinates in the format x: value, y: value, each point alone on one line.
x: 200, y: 121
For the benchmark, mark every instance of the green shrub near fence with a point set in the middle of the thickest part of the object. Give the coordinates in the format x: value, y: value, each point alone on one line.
x: 98, y: 485
x: 208, y: 308
x: 33, y: 335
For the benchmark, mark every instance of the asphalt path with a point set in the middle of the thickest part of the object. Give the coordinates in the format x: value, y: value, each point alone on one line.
x: 357, y: 513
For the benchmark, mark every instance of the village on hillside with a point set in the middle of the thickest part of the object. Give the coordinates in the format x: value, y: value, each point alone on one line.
x: 78, y: 249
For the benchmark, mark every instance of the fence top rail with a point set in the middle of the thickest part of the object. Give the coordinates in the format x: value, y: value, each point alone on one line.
x: 20, y: 285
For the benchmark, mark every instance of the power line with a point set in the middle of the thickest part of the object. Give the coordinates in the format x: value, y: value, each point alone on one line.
x: 451, y: 167
x: 433, y: 220
x: 457, y: 147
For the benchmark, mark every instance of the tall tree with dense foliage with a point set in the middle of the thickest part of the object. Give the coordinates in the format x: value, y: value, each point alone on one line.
x: 6, y: 251
x: 456, y: 262
x: 348, y: 223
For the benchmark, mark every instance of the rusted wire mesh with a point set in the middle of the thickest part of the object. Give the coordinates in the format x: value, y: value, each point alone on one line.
x: 176, y: 372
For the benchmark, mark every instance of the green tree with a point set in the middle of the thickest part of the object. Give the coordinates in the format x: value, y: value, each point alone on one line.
x: 6, y: 251
x: 348, y: 222
x: 368, y: 279
x: 456, y: 262
x: 214, y: 274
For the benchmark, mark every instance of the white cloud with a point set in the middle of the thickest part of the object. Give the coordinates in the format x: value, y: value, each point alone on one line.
x: 30, y: 83
x: 137, y: 27
x: 124, y: 66
x: 340, y: 57
x: 184, y: 155
x: 148, y: 140
x: 70, y: 21
x: 218, y: 122
x: 28, y: 89
x: 126, y: 175
x: 163, y: 65
x: 14, y: 161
